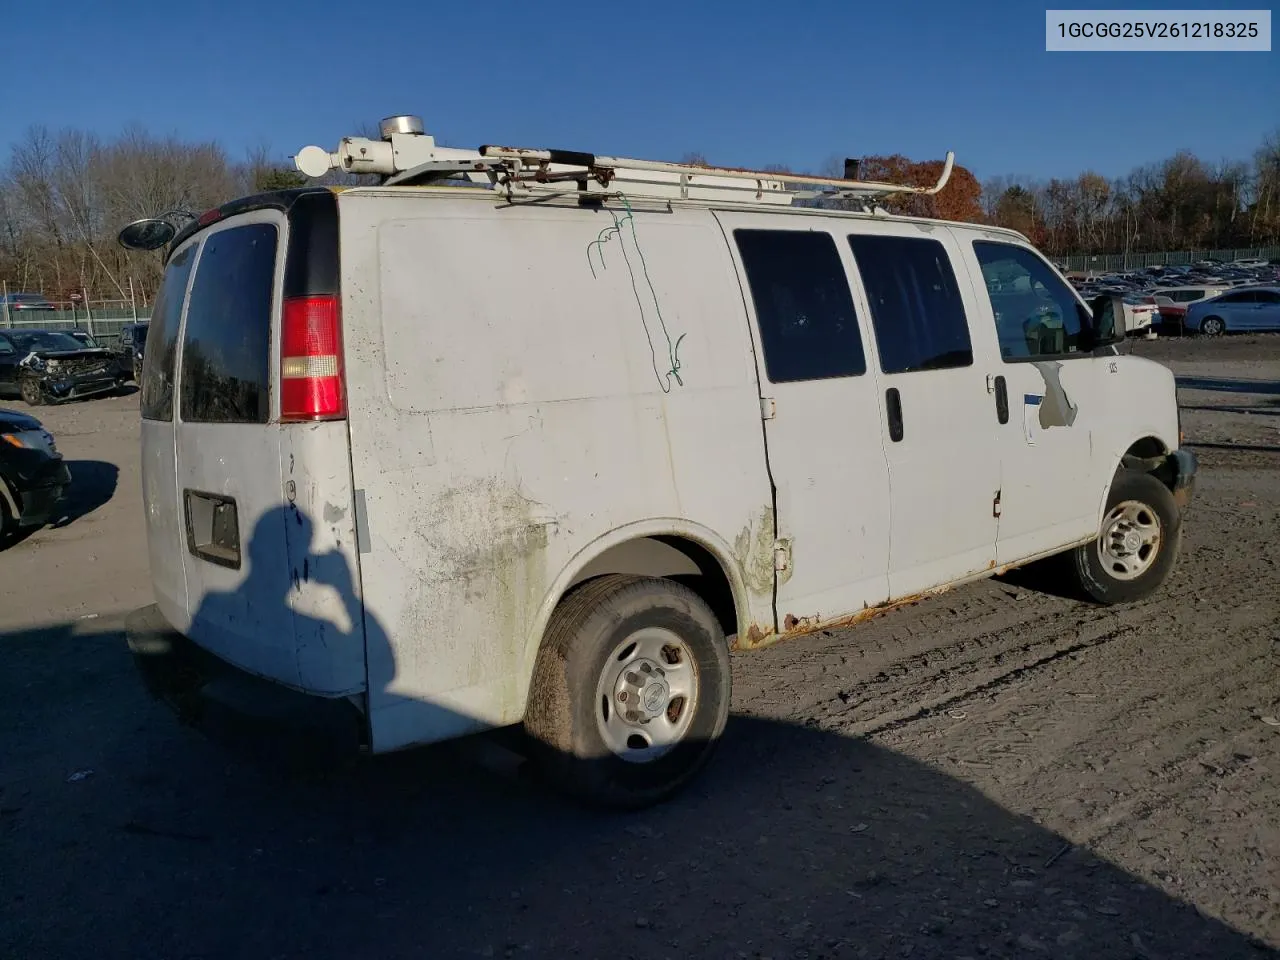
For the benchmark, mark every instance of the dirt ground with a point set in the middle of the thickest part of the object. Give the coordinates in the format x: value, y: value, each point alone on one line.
x: 996, y: 772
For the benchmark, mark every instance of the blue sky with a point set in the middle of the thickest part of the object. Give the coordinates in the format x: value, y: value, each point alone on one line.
x: 747, y: 83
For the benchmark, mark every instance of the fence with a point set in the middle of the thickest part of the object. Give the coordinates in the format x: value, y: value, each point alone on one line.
x: 105, y: 330
x: 1109, y: 262
x: 101, y: 319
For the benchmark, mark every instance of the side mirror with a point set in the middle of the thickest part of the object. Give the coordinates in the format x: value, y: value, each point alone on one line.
x: 148, y: 234
x: 1105, y: 329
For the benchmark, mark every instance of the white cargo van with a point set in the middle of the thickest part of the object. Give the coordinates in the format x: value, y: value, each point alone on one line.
x: 543, y: 448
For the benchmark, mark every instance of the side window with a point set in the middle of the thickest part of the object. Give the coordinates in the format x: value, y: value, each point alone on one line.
x: 5, y: 347
x: 1237, y: 298
x: 226, y: 346
x: 156, y: 399
x: 803, y: 304
x: 1267, y: 296
x: 915, y: 303
x: 1036, y: 314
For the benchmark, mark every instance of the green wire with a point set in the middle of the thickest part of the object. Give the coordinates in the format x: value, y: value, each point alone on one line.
x: 673, y: 348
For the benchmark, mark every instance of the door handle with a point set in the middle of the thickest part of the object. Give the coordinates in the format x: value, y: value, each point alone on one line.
x: 893, y: 402
x: 1002, y: 401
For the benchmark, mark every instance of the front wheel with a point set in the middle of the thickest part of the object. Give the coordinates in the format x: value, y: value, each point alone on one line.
x: 1212, y: 327
x: 32, y: 395
x: 1137, y: 543
x: 630, y: 692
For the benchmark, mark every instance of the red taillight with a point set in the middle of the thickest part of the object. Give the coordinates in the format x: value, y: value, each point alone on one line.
x: 311, y: 360
x: 209, y: 216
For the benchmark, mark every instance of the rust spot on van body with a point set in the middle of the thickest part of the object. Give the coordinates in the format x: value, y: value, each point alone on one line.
x: 794, y: 626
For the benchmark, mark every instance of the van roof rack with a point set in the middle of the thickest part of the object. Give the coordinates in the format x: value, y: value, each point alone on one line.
x: 406, y: 155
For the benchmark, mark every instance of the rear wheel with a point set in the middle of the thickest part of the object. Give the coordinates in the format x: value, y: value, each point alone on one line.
x: 1212, y: 327
x: 630, y: 692
x: 32, y: 394
x: 1137, y: 544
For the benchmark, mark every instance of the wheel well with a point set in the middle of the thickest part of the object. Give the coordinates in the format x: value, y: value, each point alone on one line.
x: 1146, y: 449
x: 1149, y: 455
x: 674, y: 558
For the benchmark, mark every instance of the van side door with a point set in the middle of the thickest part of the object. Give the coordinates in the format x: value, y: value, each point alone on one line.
x: 821, y: 415
x: 1051, y: 485
x: 939, y: 422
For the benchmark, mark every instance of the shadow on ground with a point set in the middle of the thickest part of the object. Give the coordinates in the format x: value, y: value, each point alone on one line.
x: 1239, y: 447
x: 1259, y: 410
x: 794, y: 843
x: 1049, y: 576
x: 93, y: 484
x: 1227, y: 385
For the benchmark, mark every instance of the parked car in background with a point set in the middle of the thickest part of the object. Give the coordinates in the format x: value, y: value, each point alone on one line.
x: 49, y: 366
x: 1249, y: 262
x: 1236, y: 311
x: 1172, y: 303
x: 129, y: 350
x: 1139, y: 313
x: 1167, y: 295
x: 33, y: 476
x: 24, y: 303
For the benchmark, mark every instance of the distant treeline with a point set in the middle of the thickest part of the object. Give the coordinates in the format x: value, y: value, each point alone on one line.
x: 64, y: 195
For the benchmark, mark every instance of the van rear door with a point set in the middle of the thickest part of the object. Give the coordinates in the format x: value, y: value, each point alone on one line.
x: 228, y: 451
x: 269, y: 543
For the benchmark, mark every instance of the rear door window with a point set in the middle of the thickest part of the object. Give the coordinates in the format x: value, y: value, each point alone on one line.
x: 156, y: 400
x: 226, y: 346
x: 916, y: 308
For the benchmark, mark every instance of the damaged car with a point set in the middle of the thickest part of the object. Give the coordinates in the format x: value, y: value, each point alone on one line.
x: 51, y: 366
x: 33, y: 476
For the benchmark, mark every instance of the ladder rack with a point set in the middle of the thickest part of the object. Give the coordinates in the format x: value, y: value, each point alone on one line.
x: 406, y: 155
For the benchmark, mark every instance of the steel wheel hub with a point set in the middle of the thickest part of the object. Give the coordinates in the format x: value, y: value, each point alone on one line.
x: 646, y: 695
x: 642, y: 692
x: 1130, y: 540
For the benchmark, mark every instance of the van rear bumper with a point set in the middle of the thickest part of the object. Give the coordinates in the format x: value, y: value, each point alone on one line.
x: 227, y: 703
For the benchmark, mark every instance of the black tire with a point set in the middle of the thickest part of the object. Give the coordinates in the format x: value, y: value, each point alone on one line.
x: 1104, y: 581
x: 1212, y: 327
x: 567, y: 746
x: 32, y: 394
